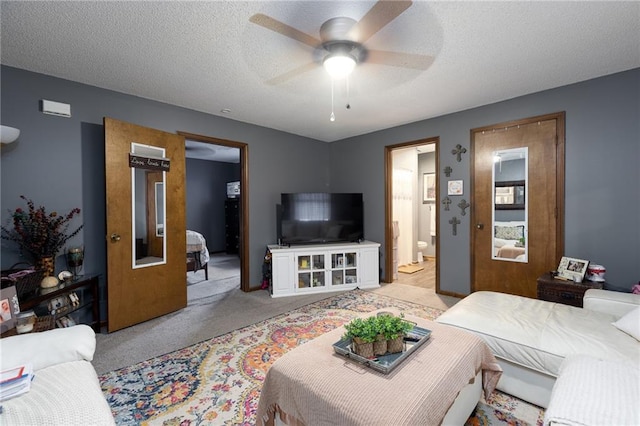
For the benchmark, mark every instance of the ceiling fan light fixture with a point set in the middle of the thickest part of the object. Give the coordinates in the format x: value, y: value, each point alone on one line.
x: 339, y: 65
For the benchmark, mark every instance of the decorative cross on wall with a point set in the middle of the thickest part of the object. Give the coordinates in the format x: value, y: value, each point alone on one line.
x: 463, y: 206
x: 446, y: 201
x: 458, y: 152
x: 454, y: 224
x: 447, y: 171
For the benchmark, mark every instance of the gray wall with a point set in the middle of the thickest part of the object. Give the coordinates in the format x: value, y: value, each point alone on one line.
x: 602, y: 220
x: 206, y: 194
x: 59, y: 162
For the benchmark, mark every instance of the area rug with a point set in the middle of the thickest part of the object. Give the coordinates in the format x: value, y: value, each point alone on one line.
x: 218, y: 381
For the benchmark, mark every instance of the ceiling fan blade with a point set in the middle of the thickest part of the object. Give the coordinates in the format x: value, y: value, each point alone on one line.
x: 399, y: 59
x: 291, y: 74
x: 284, y: 29
x: 383, y: 12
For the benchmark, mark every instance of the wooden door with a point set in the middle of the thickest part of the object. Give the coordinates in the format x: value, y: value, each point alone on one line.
x: 544, y: 138
x: 138, y: 293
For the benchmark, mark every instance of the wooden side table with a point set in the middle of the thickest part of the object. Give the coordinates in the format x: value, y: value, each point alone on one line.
x: 89, y: 299
x: 556, y: 290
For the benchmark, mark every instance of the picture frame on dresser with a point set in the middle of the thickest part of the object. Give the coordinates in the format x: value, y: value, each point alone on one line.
x: 65, y: 321
x: 9, y: 308
x: 572, y: 269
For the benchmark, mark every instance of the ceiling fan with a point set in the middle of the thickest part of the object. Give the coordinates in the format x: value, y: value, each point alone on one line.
x: 342, y: 42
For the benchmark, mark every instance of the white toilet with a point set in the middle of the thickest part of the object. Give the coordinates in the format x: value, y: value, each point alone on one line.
x: 422, y: 247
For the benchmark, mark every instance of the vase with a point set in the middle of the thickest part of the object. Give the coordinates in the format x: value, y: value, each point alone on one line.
x: 75, y: 259
x: 46, y: 265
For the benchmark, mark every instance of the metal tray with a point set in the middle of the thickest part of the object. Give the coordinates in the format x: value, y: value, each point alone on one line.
x: 384, y: 363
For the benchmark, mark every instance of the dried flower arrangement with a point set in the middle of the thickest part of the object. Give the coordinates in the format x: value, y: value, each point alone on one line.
x: 39, y: 234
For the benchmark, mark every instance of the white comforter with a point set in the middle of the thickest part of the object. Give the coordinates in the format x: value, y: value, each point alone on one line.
x: 591, y: 391
x: 539, y: 334
x: 197, y: 242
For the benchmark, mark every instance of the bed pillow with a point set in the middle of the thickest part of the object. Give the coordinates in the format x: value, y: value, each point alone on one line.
x: 499, y: 243
x: 630, y: 323
x: 509, y: 232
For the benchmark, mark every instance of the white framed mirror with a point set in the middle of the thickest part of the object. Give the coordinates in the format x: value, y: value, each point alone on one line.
x: 148, y: 209
x: 509, y: 205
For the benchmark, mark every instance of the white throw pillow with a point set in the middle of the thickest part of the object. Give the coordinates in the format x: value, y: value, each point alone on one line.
x: 48, y: 348
x: 630, y: 323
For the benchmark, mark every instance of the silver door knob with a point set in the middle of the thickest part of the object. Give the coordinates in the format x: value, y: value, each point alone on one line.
x: 115, y: 238
x: 480, y: 225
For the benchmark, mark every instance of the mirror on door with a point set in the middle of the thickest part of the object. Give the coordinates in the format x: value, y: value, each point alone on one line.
x: 148, y: 209
x: 510, y: 224
x: 159, y: 206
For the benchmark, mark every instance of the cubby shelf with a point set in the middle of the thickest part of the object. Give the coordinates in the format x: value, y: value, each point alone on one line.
x: 314, y: 268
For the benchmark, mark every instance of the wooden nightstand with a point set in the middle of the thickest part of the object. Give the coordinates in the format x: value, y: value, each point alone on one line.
x: 567, y: 292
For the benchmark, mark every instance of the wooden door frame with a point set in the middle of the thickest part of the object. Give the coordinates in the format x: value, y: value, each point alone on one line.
x: 244, y: 200
x: 559, y: 117
x: 388, y: 205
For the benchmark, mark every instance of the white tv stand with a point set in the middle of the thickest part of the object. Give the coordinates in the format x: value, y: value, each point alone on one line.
x: 305, y: 269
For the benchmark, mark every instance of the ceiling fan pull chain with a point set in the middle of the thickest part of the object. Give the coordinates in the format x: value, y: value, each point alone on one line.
x: 332, y: 117
x: 348, y: 94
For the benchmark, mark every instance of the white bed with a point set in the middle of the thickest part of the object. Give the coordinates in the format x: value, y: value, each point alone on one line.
x: 198, y: 252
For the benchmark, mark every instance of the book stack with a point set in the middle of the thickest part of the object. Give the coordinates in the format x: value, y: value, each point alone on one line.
x: 15, y: 381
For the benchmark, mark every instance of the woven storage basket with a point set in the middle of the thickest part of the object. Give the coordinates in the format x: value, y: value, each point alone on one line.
x: 395, y: 345
x: 26, y: 282
x: 365, y: 350
x: 380, y: 345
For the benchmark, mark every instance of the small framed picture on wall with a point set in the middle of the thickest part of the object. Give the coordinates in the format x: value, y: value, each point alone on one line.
x: 455, y: 187
x: 429, y: 187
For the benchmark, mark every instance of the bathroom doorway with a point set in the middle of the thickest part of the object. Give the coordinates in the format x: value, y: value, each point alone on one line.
x: 411, y: 199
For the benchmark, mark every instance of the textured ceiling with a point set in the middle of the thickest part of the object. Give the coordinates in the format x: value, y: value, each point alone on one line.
x: 208, y: 56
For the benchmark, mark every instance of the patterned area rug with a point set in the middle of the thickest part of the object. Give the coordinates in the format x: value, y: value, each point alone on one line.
x: 218, y: 381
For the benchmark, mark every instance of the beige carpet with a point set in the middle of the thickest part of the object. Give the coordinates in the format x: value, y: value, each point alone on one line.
x: 215, y: 314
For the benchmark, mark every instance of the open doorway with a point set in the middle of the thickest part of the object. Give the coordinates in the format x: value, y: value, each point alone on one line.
x: 411, y: 200
x: 216, y: 206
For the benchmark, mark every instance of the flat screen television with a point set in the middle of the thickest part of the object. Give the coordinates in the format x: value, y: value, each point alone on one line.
x: 320, y: 218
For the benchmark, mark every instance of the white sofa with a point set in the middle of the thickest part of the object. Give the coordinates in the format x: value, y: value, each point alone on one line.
x: 531, y: 338
x: 65, y: 389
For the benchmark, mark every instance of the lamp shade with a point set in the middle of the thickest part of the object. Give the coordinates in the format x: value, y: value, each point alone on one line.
x: 339, y: 65
x: 8, y: 134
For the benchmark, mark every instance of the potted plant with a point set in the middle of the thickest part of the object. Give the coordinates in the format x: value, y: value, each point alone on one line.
x: 363, y: 333
x: 38, y: 234
x: 393, y: 328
